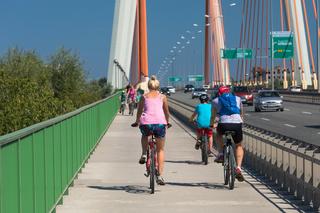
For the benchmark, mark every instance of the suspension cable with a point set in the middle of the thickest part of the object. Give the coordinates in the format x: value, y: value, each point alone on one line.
x: 282, y: 28
x: 308, y: 33
x: 252, y: 36
x: 248, y: 37
x: 267, y: 40
x: 289, y: 28
x: 256, y: 47
x: 299, y: 45
x: 244, y: 37
x: 240, y: 45
x: 261, y: 35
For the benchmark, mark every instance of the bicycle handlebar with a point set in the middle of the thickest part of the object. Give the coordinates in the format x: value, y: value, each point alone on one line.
x: 136, y: 124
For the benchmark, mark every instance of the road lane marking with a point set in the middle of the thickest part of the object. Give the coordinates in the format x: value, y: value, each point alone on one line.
x: 265, y: 119
x: 289, y: 125
x: 308, y: 113
x: 285, y: 109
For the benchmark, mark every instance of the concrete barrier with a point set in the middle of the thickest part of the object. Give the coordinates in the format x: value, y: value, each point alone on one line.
x: 310, y: 98
x: 293, y: 165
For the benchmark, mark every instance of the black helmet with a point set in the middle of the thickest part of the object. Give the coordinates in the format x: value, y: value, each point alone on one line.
x: 204, y: 98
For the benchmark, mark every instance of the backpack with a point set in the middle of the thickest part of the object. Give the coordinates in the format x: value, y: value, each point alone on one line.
x: 228, y: 104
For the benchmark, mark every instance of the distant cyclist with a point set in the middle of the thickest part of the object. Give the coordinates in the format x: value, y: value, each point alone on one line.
x: 123, y: 98
x: 131, y: 99
x: 152, y: 117
x: 131, y: 93
x: 142, y: 86
x: 228, y: 109
x: 202, y: 114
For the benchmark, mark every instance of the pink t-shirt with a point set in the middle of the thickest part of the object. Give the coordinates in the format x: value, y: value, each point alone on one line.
x: 153, y: 111
x: 131, y: 94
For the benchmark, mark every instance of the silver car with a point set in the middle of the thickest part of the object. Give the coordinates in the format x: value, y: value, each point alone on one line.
x: 268, y: 100
x: 171, y: 89
x: 197, y: 92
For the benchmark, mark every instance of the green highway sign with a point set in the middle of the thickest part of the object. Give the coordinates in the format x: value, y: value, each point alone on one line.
x: 175, y: 79
x: 195, y: 78
x: 235, y: 53
x: 282, y: 44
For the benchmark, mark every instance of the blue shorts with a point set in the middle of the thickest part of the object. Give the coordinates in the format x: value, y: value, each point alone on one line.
x: 158, y: 130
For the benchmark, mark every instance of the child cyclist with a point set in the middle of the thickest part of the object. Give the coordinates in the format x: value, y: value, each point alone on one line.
x: 202, y: 114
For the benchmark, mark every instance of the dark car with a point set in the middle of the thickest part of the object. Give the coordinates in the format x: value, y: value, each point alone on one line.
x: 165, y: 91
x: 244, y: 93
x: 188, y: 88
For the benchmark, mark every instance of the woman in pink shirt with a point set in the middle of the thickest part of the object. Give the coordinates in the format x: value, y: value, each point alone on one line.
x: 153, y: 117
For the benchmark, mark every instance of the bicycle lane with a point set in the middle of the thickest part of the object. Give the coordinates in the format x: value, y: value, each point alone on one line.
x: 113, y: 181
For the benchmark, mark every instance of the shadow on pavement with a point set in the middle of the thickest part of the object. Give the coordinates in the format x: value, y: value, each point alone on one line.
x: 204, y: 185
x: 134, y: 189
x: 260, y: 183
x: 313, y: 126
x: 185, y: 162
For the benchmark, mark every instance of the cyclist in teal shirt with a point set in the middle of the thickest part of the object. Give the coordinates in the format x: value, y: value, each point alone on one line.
x: 203, y: 114
x: 123, y: 98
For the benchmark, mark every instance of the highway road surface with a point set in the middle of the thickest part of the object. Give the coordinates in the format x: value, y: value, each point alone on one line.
x: 298, y: 121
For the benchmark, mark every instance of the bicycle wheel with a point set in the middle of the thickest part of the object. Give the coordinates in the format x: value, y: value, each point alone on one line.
x: 204, y: 149
x: 231, y: 160
x: 130, y: 109
x: 226, y: 172
x: 152, y: 170
x: 122, y: 109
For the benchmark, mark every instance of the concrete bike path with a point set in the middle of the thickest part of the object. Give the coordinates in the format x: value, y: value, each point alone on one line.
x: 113, y: 181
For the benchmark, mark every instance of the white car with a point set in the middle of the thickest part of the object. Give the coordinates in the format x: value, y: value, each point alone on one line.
x: 197, y: 92
x: 171, y: 89
x: 206, y: 86
x: 295, y: 89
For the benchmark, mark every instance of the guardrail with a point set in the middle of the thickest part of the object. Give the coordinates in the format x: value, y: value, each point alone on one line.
x: 293, y: 165
x: 303, y: 97
x: 40, y: 162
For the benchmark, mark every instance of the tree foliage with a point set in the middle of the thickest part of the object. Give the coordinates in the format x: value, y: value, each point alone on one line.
x: 33, y: 91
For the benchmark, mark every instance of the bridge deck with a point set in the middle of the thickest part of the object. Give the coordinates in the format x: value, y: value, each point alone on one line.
x: 113, y: 181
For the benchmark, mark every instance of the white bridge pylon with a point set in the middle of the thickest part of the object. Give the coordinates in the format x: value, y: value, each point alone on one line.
x: 302, y: 62
x: 121, y: 42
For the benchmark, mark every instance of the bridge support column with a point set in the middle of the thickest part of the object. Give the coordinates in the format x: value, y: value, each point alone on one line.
x: 207, y: 43
x: 315, y: 81
x: 143, y: 37
x: 121, y: 43
x: 301, y: 49
x: 285, y: 81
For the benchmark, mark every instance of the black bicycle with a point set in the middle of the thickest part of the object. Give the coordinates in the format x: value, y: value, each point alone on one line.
x: 131, y: 108
x: 122, y: 107
x: 204, y: 146
x: 229, y: 162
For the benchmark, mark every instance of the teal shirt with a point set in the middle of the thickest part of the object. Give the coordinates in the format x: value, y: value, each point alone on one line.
x: 203, y: 115
x: 123, y: 97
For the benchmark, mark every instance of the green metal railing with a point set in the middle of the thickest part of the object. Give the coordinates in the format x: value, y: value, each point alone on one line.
x: 39, y: 163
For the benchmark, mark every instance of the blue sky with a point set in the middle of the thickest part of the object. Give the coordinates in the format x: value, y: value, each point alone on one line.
x: 86, y: 27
